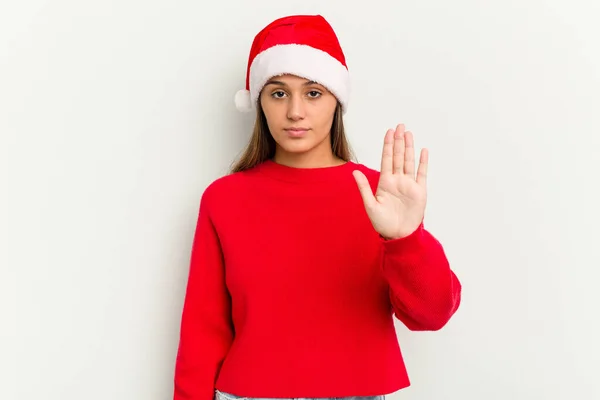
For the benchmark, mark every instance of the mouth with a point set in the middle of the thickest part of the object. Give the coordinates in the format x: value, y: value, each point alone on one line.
x: 296, y: 132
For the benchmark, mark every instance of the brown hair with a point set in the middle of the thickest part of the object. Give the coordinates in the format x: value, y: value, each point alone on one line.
x: 262, y: 145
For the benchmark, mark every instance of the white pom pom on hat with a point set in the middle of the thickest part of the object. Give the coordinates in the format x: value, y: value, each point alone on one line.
x: 302, y: 45
x: 242, y: 100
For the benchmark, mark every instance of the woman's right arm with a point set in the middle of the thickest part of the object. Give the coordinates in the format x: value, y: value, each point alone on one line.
x: 206, y: 328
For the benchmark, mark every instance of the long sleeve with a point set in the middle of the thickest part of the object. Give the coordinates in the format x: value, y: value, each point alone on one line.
x: 423, y: 290
x: 206, y: 329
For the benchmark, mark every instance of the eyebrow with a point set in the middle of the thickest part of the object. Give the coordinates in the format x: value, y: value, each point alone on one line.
x: 274, y: 82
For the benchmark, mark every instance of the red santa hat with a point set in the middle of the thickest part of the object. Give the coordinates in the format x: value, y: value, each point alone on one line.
x: 302, y: 45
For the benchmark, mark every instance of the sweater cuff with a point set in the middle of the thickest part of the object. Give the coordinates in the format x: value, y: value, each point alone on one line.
x: 406, y: 244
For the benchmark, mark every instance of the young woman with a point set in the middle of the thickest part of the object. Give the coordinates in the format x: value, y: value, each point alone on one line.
x: 302, y: 257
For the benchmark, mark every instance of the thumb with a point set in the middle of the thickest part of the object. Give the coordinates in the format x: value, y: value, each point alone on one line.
x: 365, y: 189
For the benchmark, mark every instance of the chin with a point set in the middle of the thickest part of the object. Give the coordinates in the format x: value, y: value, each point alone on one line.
x: 299, y: 145
x: 296, y: 148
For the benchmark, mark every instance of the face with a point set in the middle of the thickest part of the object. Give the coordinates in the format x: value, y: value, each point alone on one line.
x: 299, y: 114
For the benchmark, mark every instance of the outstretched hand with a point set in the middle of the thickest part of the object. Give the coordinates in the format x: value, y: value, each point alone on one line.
x: 398, y: 206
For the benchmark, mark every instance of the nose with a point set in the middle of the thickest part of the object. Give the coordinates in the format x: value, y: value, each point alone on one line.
x: 296, y: 108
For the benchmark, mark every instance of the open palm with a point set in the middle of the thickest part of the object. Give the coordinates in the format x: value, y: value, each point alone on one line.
x: 398, y: 206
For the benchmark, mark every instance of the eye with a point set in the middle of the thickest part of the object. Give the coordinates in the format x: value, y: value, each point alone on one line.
x: 278, y: 94
x: 314, y: 94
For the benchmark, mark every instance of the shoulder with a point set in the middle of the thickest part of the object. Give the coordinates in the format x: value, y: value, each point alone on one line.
x: 371, y: 174
x: 225, y: 188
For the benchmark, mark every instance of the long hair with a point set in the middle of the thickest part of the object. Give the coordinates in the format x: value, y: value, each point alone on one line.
x: 262, y: 145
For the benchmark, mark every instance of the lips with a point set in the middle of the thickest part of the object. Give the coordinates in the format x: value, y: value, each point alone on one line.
x: 296, y: 132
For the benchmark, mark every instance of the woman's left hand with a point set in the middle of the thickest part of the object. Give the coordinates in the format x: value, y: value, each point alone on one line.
x: 398, y: 206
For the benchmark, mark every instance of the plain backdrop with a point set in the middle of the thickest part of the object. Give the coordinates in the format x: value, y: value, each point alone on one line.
x: 115, y: 115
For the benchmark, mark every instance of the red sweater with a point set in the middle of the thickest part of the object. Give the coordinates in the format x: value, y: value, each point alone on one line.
x: 292, y: 293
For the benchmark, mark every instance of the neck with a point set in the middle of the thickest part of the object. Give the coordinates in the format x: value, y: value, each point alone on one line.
x: 307, y: 175
x: 307, y: 160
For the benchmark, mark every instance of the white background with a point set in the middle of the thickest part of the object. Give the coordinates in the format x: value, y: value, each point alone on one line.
x: 115, y: 115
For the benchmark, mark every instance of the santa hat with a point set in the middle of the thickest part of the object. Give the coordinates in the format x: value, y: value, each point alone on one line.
x: 302, y: 45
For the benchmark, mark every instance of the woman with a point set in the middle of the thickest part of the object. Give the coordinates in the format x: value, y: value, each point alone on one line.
x: 302, y: 257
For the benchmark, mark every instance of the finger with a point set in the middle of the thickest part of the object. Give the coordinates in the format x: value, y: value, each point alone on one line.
x: 423, y: 166
x: 399, y: 149
x: 365, y: 189
x: 409, y: 154
x: 388, y: 151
